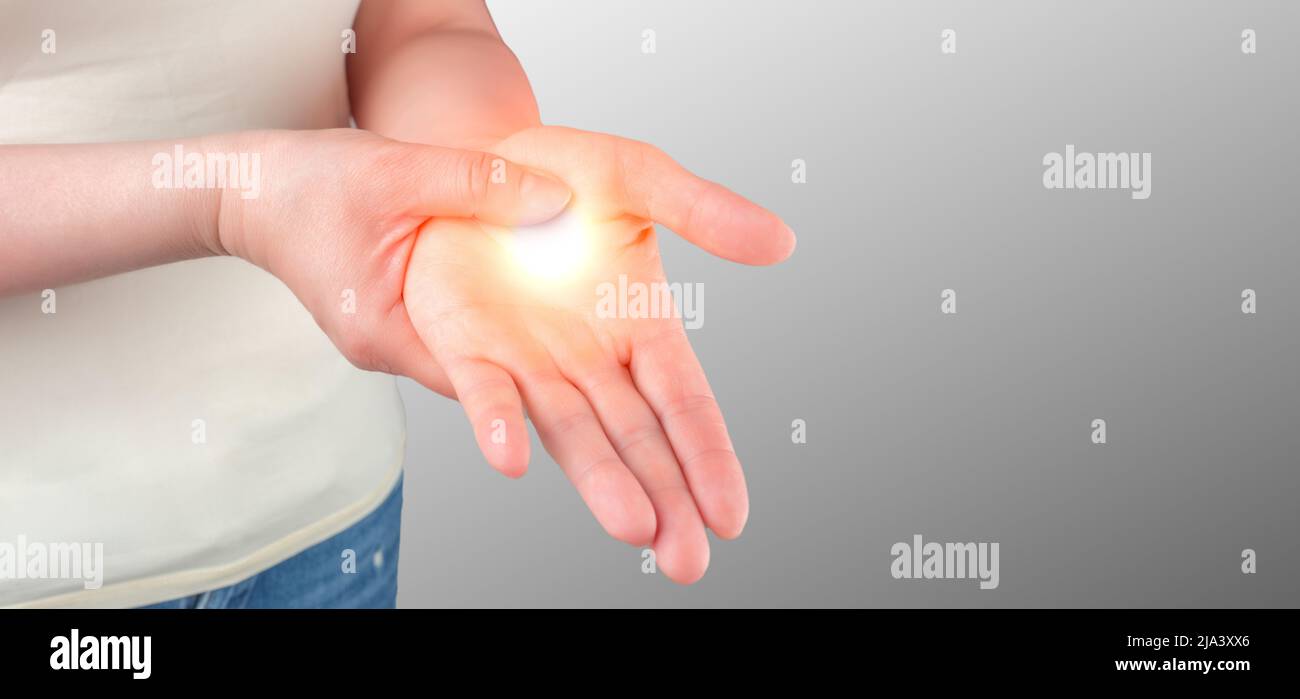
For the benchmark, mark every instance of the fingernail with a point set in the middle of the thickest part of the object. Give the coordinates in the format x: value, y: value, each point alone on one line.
x: 542, y: 198
x: 794, y: 242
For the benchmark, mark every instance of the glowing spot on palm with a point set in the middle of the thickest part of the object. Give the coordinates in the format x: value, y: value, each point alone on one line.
x: 554, y: 251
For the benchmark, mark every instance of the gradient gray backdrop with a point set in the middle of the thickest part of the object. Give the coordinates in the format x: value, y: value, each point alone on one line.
x: 924, y: 173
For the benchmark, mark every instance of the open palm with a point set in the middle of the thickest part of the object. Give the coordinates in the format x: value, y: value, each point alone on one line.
x: 620, y: 402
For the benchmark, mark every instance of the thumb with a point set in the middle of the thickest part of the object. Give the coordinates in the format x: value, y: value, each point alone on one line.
x: 448, y: 182
x: 705, y: 213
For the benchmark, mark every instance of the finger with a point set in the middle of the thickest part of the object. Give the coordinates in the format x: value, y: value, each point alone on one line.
x: 705, y: 213
x: 418, y: 364
x: 668, y: 374
x: 573, y: 435
x: 410, y: 357
x: 495, y: 411
x: 681, y: 544
x: 455, y: 183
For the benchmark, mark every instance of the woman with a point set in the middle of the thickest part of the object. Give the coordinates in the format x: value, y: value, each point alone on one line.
x: 233, y: 437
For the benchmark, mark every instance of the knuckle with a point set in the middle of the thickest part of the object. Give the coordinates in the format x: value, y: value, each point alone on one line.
x: 629, y: 438
x: 387, y: 161
x: 571, y: 423
x: 495, y: 389
x: 476, y: 176
x: 601, y: 468
x: 389, y: 167
x: 701, y: 404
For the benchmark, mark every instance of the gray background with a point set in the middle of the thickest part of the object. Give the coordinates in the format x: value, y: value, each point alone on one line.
x: 924, y: 173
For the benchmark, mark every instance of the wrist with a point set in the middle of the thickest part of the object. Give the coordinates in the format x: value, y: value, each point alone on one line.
x: 238, y: 160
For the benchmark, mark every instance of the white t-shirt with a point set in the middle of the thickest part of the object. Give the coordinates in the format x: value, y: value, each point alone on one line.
x: 191, y: 418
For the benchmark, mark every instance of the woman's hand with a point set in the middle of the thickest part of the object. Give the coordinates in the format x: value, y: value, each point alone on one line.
x: 336, y: 219
x: 620, y: 402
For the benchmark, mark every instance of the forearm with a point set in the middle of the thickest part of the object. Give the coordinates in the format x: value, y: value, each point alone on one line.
x: 446, y: 80
x: 69, y: 213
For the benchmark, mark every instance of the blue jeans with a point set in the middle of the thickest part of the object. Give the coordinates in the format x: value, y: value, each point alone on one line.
x: 319, y: 577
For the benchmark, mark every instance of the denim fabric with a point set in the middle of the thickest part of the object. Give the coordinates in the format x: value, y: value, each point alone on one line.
x: 317, y: 578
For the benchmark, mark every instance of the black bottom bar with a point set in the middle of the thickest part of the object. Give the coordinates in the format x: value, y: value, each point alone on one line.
x: 196, y: 648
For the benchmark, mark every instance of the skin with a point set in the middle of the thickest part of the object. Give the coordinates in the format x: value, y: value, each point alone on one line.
x: 621, y: 403
x: 402, y: 214
x: 473, y: 93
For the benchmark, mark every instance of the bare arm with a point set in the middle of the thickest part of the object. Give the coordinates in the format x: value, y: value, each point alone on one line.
x: 74, y: 212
